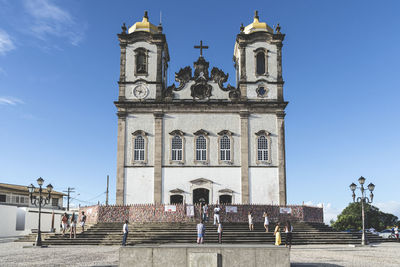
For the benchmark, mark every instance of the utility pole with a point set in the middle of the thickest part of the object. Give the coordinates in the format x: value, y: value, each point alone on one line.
x: 107, y: 191
x: 69, y: 191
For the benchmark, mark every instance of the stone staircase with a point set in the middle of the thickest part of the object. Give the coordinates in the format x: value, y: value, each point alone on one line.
x: 234, y: 233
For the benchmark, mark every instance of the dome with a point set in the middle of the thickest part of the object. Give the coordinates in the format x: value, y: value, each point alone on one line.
x: 257, y: 26
x: 144, y: 25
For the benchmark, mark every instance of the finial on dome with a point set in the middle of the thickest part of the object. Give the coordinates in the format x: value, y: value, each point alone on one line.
x: 278, y: 29
x: 241, y: 27
x: 146, y: 15
x: 123, y: 27
x: 256, y: 14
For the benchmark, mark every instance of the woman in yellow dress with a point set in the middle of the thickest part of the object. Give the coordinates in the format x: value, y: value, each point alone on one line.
x: 277, y: 234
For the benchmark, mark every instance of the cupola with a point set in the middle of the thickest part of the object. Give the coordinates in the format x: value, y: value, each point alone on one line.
x: 257, y: 26
x: 144, y: 25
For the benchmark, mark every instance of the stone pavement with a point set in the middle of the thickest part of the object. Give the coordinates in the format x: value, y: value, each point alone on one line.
x: 13, y: 254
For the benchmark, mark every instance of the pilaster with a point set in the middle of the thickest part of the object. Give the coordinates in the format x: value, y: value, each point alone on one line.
x: 121, y: 144
x: 122, y: 75
x: 243, y: 77
x: 280, y: 117
x: 158, y: 152
x: 159, y: 71
x: 244, y: 149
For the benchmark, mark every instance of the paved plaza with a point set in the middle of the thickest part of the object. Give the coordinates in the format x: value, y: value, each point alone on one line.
x: 14, y: 254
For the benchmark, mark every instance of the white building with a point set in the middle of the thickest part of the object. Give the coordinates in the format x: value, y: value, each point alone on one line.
x: 201, y: 140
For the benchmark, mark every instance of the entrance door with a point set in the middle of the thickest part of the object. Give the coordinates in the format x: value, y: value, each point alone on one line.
x: 201, y: 195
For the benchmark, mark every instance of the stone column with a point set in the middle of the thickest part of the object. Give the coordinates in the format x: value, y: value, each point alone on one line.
x: 280, y: 117
x: 244, y: 151
x: 158, y: 152
x: 243, y: 77
x: 122, y: 77
x: 121, y: 146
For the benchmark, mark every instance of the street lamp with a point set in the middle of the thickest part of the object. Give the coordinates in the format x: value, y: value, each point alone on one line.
x: 39, y: 201
x: 363, y: 199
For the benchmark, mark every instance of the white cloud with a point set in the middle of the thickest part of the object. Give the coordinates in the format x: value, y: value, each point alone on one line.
x: 6, y: 44
x: 6, y: 100
x: 51, y: 20
x: 392, y: 207
x: 329, y: 211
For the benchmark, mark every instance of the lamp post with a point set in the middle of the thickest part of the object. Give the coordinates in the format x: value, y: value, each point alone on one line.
x: 39, y: 201
x: 363, y: 199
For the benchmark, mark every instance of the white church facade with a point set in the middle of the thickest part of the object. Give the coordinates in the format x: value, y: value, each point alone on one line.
x: 201, y: 140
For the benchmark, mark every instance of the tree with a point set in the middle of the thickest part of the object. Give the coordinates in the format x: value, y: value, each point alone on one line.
x: 350, y: 218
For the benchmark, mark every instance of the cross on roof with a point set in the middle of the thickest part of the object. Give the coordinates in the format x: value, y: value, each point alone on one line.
x: 201, y: 46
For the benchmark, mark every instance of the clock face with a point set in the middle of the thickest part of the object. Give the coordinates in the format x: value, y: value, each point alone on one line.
x: 140, y: 91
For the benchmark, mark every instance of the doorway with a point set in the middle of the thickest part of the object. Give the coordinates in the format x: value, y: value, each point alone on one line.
x: 201, y: 195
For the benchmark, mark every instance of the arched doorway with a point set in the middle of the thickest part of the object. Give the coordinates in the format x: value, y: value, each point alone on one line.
x: 176, y: 199
x: 225, y: 199
x: 201, y: 195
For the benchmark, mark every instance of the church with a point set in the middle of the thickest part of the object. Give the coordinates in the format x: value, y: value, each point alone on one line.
x: 200, y: 139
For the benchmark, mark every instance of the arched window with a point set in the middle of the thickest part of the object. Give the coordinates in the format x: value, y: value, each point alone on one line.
x: 138, y: 150
x: 225, y: 148
x: 262, y: 148
x: 141, y: 61
x: 260, y: 57
x: 201, y: 148
x: 177, y: 151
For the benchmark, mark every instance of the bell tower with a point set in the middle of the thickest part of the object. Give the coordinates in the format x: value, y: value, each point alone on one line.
x: 144, y: 61
x: 258, y: 61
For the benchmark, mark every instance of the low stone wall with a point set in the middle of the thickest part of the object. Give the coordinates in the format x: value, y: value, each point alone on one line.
x: 142, y: 213
x: 204, y: 255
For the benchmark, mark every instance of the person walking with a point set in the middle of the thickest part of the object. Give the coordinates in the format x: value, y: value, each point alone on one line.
x: 72, y: 230
x: 396, y: 233
x: 216, y: 214
x: 277, y: 235
x: 266, y: 221
x: 219, y: 231
x: 64, y: 222
x: 200, y: 232
x: 83, y: 221
x: 125, y: 232
x: 205, y: 212
x: 250, y: 217
x: 288, y: 232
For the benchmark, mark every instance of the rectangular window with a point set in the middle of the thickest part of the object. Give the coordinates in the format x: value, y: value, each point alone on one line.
x: 54, y: 201
x: 3, y: 198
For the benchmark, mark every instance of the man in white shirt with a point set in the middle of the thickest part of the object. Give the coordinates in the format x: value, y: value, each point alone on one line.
x: 125, y: 231
x: 216, y: 214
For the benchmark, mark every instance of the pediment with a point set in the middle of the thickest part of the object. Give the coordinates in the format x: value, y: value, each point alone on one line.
x: 225, y: 132
x: 177, y: 191
x: 201, y: 181
x: 177, y: 132
x: 226, y: 191
x: 262, y: 132
x: 139, y: 132
x: 201, y: 132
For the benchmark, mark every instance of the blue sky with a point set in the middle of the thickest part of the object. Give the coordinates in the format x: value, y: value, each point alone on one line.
x: 59, y: 66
